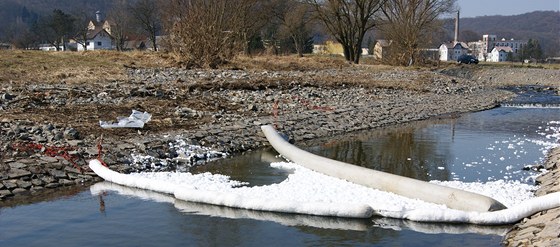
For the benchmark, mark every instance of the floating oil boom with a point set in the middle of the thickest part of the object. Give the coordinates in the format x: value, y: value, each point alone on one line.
x: 404, y: 186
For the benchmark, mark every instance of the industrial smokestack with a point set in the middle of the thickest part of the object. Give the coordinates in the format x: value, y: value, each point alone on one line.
x: 98, y: 16
x: 457, y: 28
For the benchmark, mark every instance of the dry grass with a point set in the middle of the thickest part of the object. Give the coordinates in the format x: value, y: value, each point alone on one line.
x: 73, y: 67
x: 93, y: 66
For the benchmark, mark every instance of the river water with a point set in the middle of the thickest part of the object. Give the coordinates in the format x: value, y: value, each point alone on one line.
x: 484, y: 146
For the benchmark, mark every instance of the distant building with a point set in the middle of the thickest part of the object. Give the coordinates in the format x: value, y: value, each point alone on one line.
x: 49, y: 47
x: 319, y: 49
x: 452, y: 50
x: 381, y: 48
x: 483, y: 48
x: 329, y: 48
x: 499, y: 54
x: 333, y: 48
x: 98, y: 35
x: 5, y: 46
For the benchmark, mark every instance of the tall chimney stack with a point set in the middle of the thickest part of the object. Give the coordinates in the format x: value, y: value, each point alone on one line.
x: 98, y: 16
x: 456, y: 28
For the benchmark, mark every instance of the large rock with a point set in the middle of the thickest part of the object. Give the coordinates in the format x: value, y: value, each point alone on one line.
x: 57, y: 173
x: 18, y: 173
x: 10, y: 184
x: 24, y: 184
x: 5, y: 193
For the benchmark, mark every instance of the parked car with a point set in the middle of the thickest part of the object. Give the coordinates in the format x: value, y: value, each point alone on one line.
x: 467, y: 59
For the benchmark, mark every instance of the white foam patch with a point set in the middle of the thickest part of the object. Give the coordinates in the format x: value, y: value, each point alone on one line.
x: 308, y: 192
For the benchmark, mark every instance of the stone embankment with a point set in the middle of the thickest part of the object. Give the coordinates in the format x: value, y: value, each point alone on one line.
x: 541, y: 229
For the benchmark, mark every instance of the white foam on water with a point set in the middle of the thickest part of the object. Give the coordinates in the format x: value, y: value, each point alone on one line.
x: 308, y: 192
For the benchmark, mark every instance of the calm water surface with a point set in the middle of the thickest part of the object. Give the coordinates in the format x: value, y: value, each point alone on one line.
x: 481, y: 146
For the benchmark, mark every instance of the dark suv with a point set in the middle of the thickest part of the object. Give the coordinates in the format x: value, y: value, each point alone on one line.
x: 467, y: 59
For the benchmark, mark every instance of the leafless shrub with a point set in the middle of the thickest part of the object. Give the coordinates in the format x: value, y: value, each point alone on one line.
x: 348, y: 22
x: 207, y: 33
x: 409, y: 24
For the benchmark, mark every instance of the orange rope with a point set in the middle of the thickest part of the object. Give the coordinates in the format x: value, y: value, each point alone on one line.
x: 51, y: 151
x: 100, y: 151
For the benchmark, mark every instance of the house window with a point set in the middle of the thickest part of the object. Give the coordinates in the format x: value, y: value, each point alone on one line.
x: 87, y: 43
x: 99, y: 43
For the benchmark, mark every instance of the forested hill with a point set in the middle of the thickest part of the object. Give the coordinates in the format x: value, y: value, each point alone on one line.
x: 541, y: 25
x: 14, y: 12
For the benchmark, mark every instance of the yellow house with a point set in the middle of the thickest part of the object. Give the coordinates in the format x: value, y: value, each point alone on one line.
x: 333, y: 47
x: 329, y: 48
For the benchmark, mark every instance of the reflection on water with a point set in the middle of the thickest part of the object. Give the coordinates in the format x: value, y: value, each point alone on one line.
x: 327, y: 230
x: 296, y: 219
x: 483, y: 146
x: 251, y: 167
x: 406, y: 150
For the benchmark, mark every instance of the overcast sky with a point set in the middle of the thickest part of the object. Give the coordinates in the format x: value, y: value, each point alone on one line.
x: 473, y: 8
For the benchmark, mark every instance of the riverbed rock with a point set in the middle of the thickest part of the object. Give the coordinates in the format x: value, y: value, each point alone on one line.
x: 5, y: 193
x: 10, y: 184
x: 58, y: 174
x: 19, y: 191
x: 52, y: 185
x: 18, y: 173
x: 24, y: 184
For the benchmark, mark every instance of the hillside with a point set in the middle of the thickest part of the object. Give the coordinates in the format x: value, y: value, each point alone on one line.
x: 541, y: 25
x: 14, y: 11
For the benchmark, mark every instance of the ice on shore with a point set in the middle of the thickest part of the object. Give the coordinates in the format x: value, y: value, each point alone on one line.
x: 311, y: 193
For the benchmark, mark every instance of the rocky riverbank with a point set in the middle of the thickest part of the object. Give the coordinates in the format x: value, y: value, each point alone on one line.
x: 541, y: 229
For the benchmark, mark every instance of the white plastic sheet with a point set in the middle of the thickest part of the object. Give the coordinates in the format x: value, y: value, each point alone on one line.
x: 136, y: 120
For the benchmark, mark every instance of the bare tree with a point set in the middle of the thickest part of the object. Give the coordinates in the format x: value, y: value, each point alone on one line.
x: 409, y: 23
x: 22, y: 35
x: 147, y: 13
x: 348, y: 21
x: 208, y: 32
x: 23, y: 32
x: 56, y: 27
x: 294, y: 18
x: 121, y: 23
x: 82, y: 17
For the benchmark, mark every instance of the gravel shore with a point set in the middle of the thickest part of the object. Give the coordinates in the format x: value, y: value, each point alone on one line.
x: 49, y: 131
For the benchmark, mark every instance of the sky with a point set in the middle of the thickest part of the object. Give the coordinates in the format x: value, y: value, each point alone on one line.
x: 473, y: 8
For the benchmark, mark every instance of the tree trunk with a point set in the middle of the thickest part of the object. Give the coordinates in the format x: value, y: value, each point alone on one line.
x: 298, y: 45
x: 346, y: 51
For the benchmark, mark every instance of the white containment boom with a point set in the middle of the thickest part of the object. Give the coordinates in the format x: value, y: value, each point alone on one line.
x: 404, y: 186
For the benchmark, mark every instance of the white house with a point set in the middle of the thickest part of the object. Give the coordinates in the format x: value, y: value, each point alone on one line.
x: 98, y: 35
x: 452, y: 50
x: 483, y: 48
x: 49, y: 47
x: 499, y: 54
